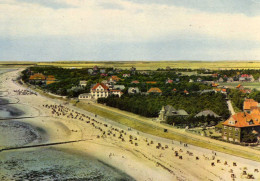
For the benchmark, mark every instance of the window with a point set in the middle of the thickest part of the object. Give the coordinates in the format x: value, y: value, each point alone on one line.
x: 230, y: 128
x: 225, y: 127
x: 225, y: 133
x: 236, y: 129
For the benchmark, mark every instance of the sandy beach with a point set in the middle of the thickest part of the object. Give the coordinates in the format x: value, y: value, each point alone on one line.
x: 103, y: 150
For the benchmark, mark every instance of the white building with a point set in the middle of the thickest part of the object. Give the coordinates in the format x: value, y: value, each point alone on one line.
x: 83, y: 83
x: 116, y: 92
x: 85, y: 96
x: 100, y: 91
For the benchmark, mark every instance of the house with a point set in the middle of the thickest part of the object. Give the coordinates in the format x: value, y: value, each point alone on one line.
x: 116, y: 92
x: 199, y: 79
x: 174, y: 90
x: 132, y: 69
x: 83, y: 83
x: 50, y: 79
x: 214, y: 85
x: 230, y: 79
x: 233, y: 127
x: 246, y: 77
x: 207, y: 113
x: 99, y: 91
x: 126, y: 75
x: 240, y: 87
x: 85, y: 96
x: 102, y: 71
x: 119, y: 87
x: 151, y: 82
x: 90, y: 71
x: 185, y: 92
x: 168, y: 112
x: 220, y: 79
x: 249, y: 104
x: 168, y: 68
x: 177, y: 80
x: 155, y: 90
x: 95, y: 68
x: 37, y: 77
x: 133, y: 90
x: 103, y: 75
x: 113, y: 79
x: 215, y: 75
x: 135, y: 82
x: 169, y: 81
x: 245, y: 91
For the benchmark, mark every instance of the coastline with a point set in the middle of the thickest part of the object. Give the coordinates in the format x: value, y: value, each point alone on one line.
x: 141, y: 162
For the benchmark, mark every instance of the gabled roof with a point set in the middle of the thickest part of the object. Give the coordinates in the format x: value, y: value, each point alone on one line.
x: 98, y: 84
x: 135, y: 82
x: 151, y: 82
x: 207, y: 113
x: 243, y: 119
x: 154, y: 90
x: 249, y: 103
x: 37, y: 76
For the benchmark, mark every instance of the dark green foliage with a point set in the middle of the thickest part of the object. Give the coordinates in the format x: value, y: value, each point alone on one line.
x: 151, y: 105
x: 247, y: 136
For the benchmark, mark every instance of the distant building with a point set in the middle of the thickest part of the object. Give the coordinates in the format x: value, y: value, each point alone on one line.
x: 50, y: 79
x: 90, y: 71
x: 126, y: 75
x: 135, y: 82
x: 230, y: 79
x: 169, y: 81
x: 116, y: 92
x: 249, y: 104
x: 83, y: 83
x: 102, y: 71
x: 113, y: 79
x: 133, y: 90
x: 220, y: 79
x: 119, y: 87
x: 37, y: 76
x: 151, y: 82
x: 168, y: 111
x: 95, y: 68
x: 85, y: 96
x: 155, y: 90
x: 207, y: 113
x: 168, y: 68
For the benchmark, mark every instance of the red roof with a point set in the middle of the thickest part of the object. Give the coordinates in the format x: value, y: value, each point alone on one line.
x: 135, y: 82
x: 98, y: 84
x: 243, y: 119
x: 37, y: 76
x: 185, y: 91
x: 154, y: 90
x: 245, y: 75
x: 151, y: 82
x: 249, y: 103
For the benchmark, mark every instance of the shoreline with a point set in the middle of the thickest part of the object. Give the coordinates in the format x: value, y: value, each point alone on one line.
x: 140, y: 161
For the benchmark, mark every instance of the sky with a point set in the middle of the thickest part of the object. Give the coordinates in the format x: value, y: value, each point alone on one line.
x: 95, y: 30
